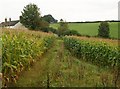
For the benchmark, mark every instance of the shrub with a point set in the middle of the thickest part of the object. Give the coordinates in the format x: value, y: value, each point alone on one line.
x: 62, y: 28
x: 103, y: 30
x: 52, y: 30
x: 44, y: 29
x: 49, y: 29
x: 72, y: 32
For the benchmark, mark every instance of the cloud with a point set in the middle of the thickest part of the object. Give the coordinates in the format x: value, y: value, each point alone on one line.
x: 70, y: 10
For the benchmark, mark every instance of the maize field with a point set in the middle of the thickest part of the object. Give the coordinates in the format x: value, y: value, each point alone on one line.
x: 20, y: 50
x: 23, y: 49
x: 98, y: 53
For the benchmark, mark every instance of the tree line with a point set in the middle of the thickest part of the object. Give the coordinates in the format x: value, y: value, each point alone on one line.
x: 32, y: 19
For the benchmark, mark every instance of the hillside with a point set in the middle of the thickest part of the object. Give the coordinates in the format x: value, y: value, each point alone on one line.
x: 91, y: 29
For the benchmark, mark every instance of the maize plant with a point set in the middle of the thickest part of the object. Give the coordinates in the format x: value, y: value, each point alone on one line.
x: 20, y: 49
x: 99, y: 54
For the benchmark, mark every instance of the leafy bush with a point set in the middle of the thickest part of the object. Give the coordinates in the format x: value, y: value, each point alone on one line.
x: 49, y: 29
x: 52, y: 30
x: 103, y: 30
x: 62, y: 28
x: 44, y: 29
x: 71, y: 32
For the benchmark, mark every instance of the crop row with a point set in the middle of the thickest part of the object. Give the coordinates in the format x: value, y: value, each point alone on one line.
x: 20, y: 50
x: 99, y: 54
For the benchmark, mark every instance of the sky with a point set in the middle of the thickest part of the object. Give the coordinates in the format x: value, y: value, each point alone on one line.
x: 68, y: 10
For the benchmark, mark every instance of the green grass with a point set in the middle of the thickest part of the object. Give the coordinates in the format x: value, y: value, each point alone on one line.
x: 91, y: 29
x: 114, y: 29
x: 84, y: 29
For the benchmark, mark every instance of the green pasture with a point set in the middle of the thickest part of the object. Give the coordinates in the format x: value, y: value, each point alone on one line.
x: 90, y: 29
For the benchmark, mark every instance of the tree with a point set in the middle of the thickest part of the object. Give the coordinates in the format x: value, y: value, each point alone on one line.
x: 30, y: 17
x: 103, y: 30
x: 62, y: 28
x: 61, y: 20
x: 44, y: 24
x: 49, y: 18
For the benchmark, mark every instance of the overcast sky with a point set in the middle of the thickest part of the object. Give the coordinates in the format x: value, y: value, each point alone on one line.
x: 69, y: 10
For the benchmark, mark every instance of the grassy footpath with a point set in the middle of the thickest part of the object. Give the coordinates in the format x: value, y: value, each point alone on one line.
x: 58, y: 68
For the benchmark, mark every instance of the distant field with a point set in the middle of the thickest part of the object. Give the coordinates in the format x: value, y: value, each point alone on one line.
x: 91, y: 29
